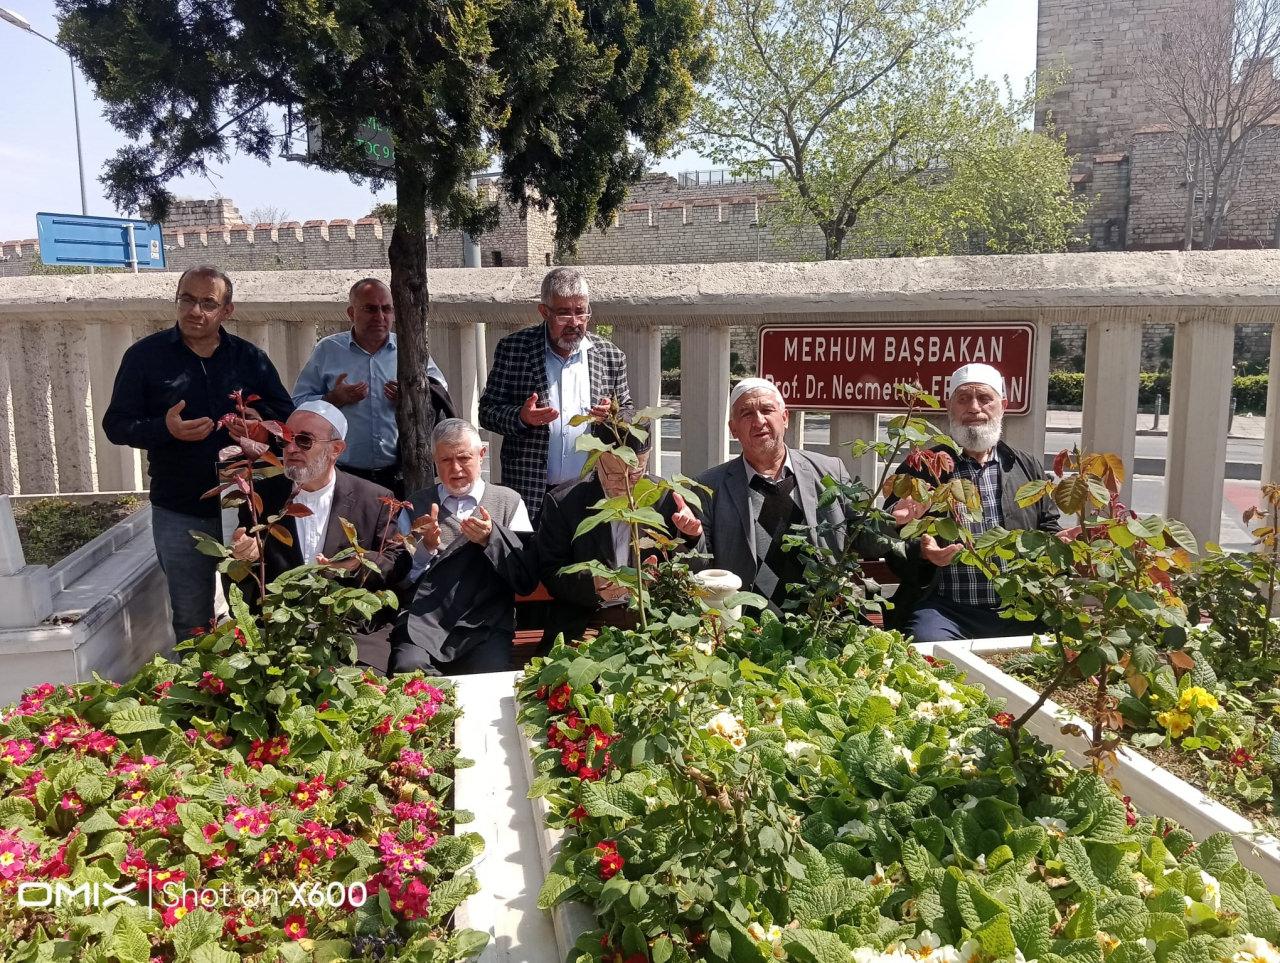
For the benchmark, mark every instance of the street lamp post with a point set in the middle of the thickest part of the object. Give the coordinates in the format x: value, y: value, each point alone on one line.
x: 22, y: 23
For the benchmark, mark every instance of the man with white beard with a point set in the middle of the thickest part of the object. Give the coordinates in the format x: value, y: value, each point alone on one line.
x: 952, y: 600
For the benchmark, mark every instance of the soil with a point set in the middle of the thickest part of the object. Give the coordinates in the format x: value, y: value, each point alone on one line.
x: 52, y: 528
x: 1078, y: 698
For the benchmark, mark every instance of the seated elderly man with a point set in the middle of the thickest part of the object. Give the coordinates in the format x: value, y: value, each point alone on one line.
x: 758, y: 499
x: 944, y: 599
x: 312, y: 479
x: 460, y: 614
x: 581, y: 600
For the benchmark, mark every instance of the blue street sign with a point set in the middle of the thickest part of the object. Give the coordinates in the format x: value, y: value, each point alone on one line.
x: 100, y: 241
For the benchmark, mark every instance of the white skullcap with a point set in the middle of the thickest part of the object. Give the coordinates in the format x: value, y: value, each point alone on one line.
x: 752, y: 384
x: 976, y: 374
x: 329, y: 413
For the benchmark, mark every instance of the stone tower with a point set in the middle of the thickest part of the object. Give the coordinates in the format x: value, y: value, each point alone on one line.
x: 1100, y: 104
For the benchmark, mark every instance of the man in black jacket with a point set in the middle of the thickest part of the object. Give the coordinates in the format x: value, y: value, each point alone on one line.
x: 942, y: 599
x: 584, y: 601
x: 172, y: 389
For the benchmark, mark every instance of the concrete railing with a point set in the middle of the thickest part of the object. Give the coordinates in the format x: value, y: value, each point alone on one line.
x: 61, y: 339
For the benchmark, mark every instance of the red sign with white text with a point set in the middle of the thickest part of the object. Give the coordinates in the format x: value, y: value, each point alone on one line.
x: 855, y: 367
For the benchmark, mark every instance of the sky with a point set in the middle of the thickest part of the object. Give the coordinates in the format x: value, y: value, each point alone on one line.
x: 38, y: 170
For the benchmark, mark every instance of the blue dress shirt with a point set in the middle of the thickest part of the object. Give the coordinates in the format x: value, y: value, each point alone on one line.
x: 569, y: 392
x: 372, y: 434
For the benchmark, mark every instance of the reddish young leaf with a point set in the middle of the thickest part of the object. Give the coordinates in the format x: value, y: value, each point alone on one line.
x: 1181, y: 662
x: 1060, y: 462
x: 297, y: 510
x: 281, y: 534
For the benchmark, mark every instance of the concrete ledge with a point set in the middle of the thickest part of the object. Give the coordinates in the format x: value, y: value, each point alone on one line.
x: 110, y: 619
x: 1152, y: 789
x: 1066, y: 287
x: 92, y: 554
x: 496, y: 791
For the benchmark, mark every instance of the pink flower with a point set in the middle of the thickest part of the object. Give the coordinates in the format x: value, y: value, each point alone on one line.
x: 269, y: 750
x: 72, y: 802
x: 295, y: 926
x: 17, y: 751
x: 250, y: 819
x: 13, y: 855
x: 212, y: 684
x: 101, y: 743
x: 172, y: 914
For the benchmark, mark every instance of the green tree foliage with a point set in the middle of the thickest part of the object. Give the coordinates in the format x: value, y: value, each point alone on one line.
x: 885, y: 141
x: 562, y: 91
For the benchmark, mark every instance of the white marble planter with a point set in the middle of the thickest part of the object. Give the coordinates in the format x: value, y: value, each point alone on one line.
x: 518, y: 846
x: 108, y: 612
x: 1151, y: 788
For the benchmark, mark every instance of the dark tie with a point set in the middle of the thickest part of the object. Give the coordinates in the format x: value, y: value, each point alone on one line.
x: 777, y: 568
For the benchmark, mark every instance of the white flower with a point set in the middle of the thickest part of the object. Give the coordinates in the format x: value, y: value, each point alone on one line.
x: 798, y: 748
x: 1019, y: 958
x: 799, y: 661
x: 946, y: 688
x: 855, y: 828
x: 968, y: 950
x: 705, y: 646
x: 1145, y: 886
x: 728, y: 726
x: 969, y: 803
x: 876, y: 878
x: 864, y: 954
x: 1254, y: 949
x: 924, y: 944
x: 981, y: 862
x: 1057, y: 827
x: 1212, y: 891
x: 773, y: 936
x: 893, y: 695
x: 906, y: 754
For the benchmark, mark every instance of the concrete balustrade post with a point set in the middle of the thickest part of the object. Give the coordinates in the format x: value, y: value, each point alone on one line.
x: 259, y: 333
x: 848, y: 427
x: 8, y: 414
x: 1199, y: 404
x: 278, y: 351
x: 704, y: 393
x: 494, y: 333
x: 26, y: 597
x: 641, y: 341
x: 32, y: 400
x: 1113, y: 354
x: 795, y: 430
x: 119, y: 466
x: 453, y: 345
x: 1027, y: 431
x: 1271, y: 446
x: 72, y: 405
x: 301, y: 337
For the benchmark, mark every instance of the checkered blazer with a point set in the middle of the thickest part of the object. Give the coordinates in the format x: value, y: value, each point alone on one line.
x: 519, y: 369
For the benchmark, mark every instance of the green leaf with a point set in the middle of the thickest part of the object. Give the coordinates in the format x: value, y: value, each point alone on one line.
x: 662, y: 949
x: 553, y: 891
x: 197, y: 927
x: 996, y: 937
x: 210, y: 953
x: 134, y: 719
x: 720, y: 944
x: 1076, y: 860
x: 814, y: 946
x: 129, y: 944
x: 468, y: 943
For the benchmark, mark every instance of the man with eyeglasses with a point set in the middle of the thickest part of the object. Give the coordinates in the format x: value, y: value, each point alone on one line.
x: 172, y: 389
x: 315, y: 441
x: 541, y: 378
x: 584, y: 601
x: 355, y: 370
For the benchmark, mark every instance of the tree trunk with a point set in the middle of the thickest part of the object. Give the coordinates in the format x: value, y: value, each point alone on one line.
x: 834, y: 245
x: 1189, y: 215
x: 408, y: 257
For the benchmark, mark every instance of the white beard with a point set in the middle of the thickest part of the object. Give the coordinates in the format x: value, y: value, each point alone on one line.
x: 305, y: 475
x: 977, y: 437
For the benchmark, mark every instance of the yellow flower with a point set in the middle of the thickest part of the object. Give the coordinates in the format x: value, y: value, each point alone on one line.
x: 1175, y: 722
x: 1196, y: 697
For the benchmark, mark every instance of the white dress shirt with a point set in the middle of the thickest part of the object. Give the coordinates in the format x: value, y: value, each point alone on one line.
x: 312, y: 528
x: 462, y: 507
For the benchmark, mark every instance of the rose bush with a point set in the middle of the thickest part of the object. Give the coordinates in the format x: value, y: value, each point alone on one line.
x: 833, y: 797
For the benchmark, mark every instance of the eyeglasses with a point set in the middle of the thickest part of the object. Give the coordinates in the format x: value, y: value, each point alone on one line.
x: 206, y: 305
x: 304, y: 440
x: 566, y: 317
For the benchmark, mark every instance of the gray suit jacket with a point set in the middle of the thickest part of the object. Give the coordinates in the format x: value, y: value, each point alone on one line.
x: 729, y: 529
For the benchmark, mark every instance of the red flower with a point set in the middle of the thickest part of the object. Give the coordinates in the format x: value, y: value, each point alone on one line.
x: 599, y: 738
x: 212, y: 684
x: 558, y: 701
x: 172, y: 914
x: 930, y: 660
x: 579, y: 814
x: 610, y: 860
x: 295, y: 926
x: 572, y: 757
x: 1004, y: 719
x: 1240, y: 758
x: 1130, y: 814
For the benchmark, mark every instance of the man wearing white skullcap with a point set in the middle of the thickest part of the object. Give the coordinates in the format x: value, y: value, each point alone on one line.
x: 758, y: 498
x: 314, y: 439
x: 947, y: 600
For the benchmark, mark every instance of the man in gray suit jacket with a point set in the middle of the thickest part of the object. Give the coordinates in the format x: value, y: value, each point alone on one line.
x: 756, y: 499
x: 470, y: 564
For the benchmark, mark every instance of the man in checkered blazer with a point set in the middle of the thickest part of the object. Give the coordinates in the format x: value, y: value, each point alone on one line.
x: 542, y: 376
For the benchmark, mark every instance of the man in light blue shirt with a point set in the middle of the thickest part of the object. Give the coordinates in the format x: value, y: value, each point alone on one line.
x: 569, y: 392
x: 356, y: 371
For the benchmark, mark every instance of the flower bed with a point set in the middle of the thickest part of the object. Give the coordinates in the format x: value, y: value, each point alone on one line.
x: 825, y: 796
x: 252, y: 802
